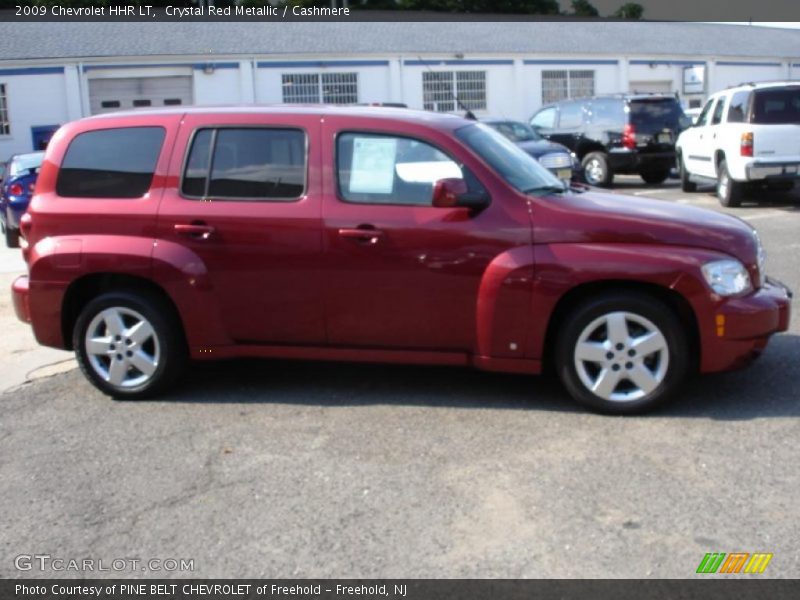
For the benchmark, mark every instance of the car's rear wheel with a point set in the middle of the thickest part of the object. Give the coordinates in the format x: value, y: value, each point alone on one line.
x: 729, y: 192
x: 128, y: 346
x: 596, y: 170
x: 654, y: 175
x: 622, y: 353
x: 12, y: 237
x: 687, y: 185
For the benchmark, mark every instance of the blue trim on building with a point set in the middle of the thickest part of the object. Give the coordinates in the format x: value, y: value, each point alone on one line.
x: 197, y: 66
x: 304, y: 64
x: 685, y: 63
x: 456, y: 63
x: 32, y: 71
x: 734, y: 63
x: 559, y: 61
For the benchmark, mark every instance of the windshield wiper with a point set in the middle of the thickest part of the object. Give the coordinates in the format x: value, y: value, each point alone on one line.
x: 544, y: 189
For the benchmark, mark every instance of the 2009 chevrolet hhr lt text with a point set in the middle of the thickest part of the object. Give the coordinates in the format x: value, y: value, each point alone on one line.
x: 373, y: 234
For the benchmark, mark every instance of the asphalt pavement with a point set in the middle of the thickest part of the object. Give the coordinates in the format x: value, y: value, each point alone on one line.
x: 283, y: 469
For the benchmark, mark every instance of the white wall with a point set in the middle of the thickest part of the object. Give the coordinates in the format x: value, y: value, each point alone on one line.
x: 223, y: 86
x: 34, y: 100
x: 373, y: 81
x: 38, y: 98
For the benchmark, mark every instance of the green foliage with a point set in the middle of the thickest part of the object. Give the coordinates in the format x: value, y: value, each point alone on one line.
x: 630, y: 10
x: 583, y: 8
x: 531, y: 7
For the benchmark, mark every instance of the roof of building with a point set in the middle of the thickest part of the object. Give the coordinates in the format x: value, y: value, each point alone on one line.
x: 79, y: 40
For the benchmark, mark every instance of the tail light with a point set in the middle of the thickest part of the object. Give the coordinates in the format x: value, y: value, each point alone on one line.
x: 15, y: 189
x: 629, y: 137
x: 746, y: 146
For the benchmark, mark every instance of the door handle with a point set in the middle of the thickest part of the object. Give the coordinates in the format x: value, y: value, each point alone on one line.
x: 194, y: 230
x: 362, y: 234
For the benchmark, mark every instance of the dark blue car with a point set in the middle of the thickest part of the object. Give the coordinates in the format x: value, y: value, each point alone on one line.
x: 16, y: 188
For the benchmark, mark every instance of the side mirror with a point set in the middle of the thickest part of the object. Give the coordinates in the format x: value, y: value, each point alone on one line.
x: 453, y: 192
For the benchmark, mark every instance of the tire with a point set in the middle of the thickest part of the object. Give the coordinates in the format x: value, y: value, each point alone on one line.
x: 655, y: 175
x: 12, y: 237
x: 618, y: 382
x: 729, y: 192
x: 596, y: 170
x: 687, y: 185
x: 148, y: 362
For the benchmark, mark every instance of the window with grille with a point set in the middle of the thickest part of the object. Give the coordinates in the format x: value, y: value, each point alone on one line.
x: 563, y: 85
x: 5, y: 126
x: 320, y: 88
x: 440, y: 90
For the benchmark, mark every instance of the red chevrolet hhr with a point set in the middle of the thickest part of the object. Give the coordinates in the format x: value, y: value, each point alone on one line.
x: 373, y: 234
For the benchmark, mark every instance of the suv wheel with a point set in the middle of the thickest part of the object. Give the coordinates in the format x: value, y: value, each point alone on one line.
x: 654, y: 175
x: 622, y: 353
x: 687, y: 185
x: 596, y: 170
x: 729, y: 192
x: 128, y: 346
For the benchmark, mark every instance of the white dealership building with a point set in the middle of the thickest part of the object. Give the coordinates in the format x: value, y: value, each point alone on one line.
x: 51, y: 73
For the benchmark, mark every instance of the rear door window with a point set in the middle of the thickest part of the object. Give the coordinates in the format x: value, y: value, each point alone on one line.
x: 777, y: 105
x: 110, y: 163
x: 570, y: 115
x: 608, y: 113
x: 248, y: 164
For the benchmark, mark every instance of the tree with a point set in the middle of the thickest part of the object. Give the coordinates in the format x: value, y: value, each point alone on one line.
x: 530, y: 7
x: 584, y: 8
x: 630, y: 10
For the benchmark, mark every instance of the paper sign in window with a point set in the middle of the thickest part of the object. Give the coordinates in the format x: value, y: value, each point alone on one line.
x: 372, y: 170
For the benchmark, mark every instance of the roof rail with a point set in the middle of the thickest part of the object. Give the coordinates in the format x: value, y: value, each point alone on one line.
x: 766, y: 81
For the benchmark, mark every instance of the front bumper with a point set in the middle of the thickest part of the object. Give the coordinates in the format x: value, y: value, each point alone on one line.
x: 742, y: 327
x: 20, y: 297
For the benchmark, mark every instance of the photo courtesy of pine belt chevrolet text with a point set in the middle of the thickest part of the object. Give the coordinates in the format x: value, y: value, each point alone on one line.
x: 374, y: 234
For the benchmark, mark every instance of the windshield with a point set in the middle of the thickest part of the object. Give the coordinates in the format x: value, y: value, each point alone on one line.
x: 777, y: 106
x: 515, y: 131
x: 26, y: 162
x: 513, y: 164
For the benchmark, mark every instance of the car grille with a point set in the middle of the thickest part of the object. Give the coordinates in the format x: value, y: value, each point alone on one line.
x: 556, y: 160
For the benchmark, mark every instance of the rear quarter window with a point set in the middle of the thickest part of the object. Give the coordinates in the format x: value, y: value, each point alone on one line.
x: 110, y: 163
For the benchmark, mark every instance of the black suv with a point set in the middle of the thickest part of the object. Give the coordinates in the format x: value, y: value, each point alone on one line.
x: 628, y: 133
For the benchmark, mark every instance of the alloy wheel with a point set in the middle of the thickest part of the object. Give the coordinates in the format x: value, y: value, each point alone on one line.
x: 621, y: 357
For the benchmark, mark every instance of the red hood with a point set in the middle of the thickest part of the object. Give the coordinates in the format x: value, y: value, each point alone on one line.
x: 594, y: 217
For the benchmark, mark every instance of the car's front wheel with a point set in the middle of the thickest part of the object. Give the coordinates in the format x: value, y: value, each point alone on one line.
x: 128, y: 346
x: 11, y: 234
x: 622, y: 353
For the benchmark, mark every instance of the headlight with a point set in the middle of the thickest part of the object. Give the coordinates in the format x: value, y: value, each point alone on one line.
x: 727, y: 277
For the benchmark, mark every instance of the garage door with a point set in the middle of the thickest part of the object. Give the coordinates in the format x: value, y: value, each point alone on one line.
x: 651, y: 87
x: 106, y: 95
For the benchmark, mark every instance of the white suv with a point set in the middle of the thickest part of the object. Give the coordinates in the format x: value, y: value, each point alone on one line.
x: 745, y: 136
